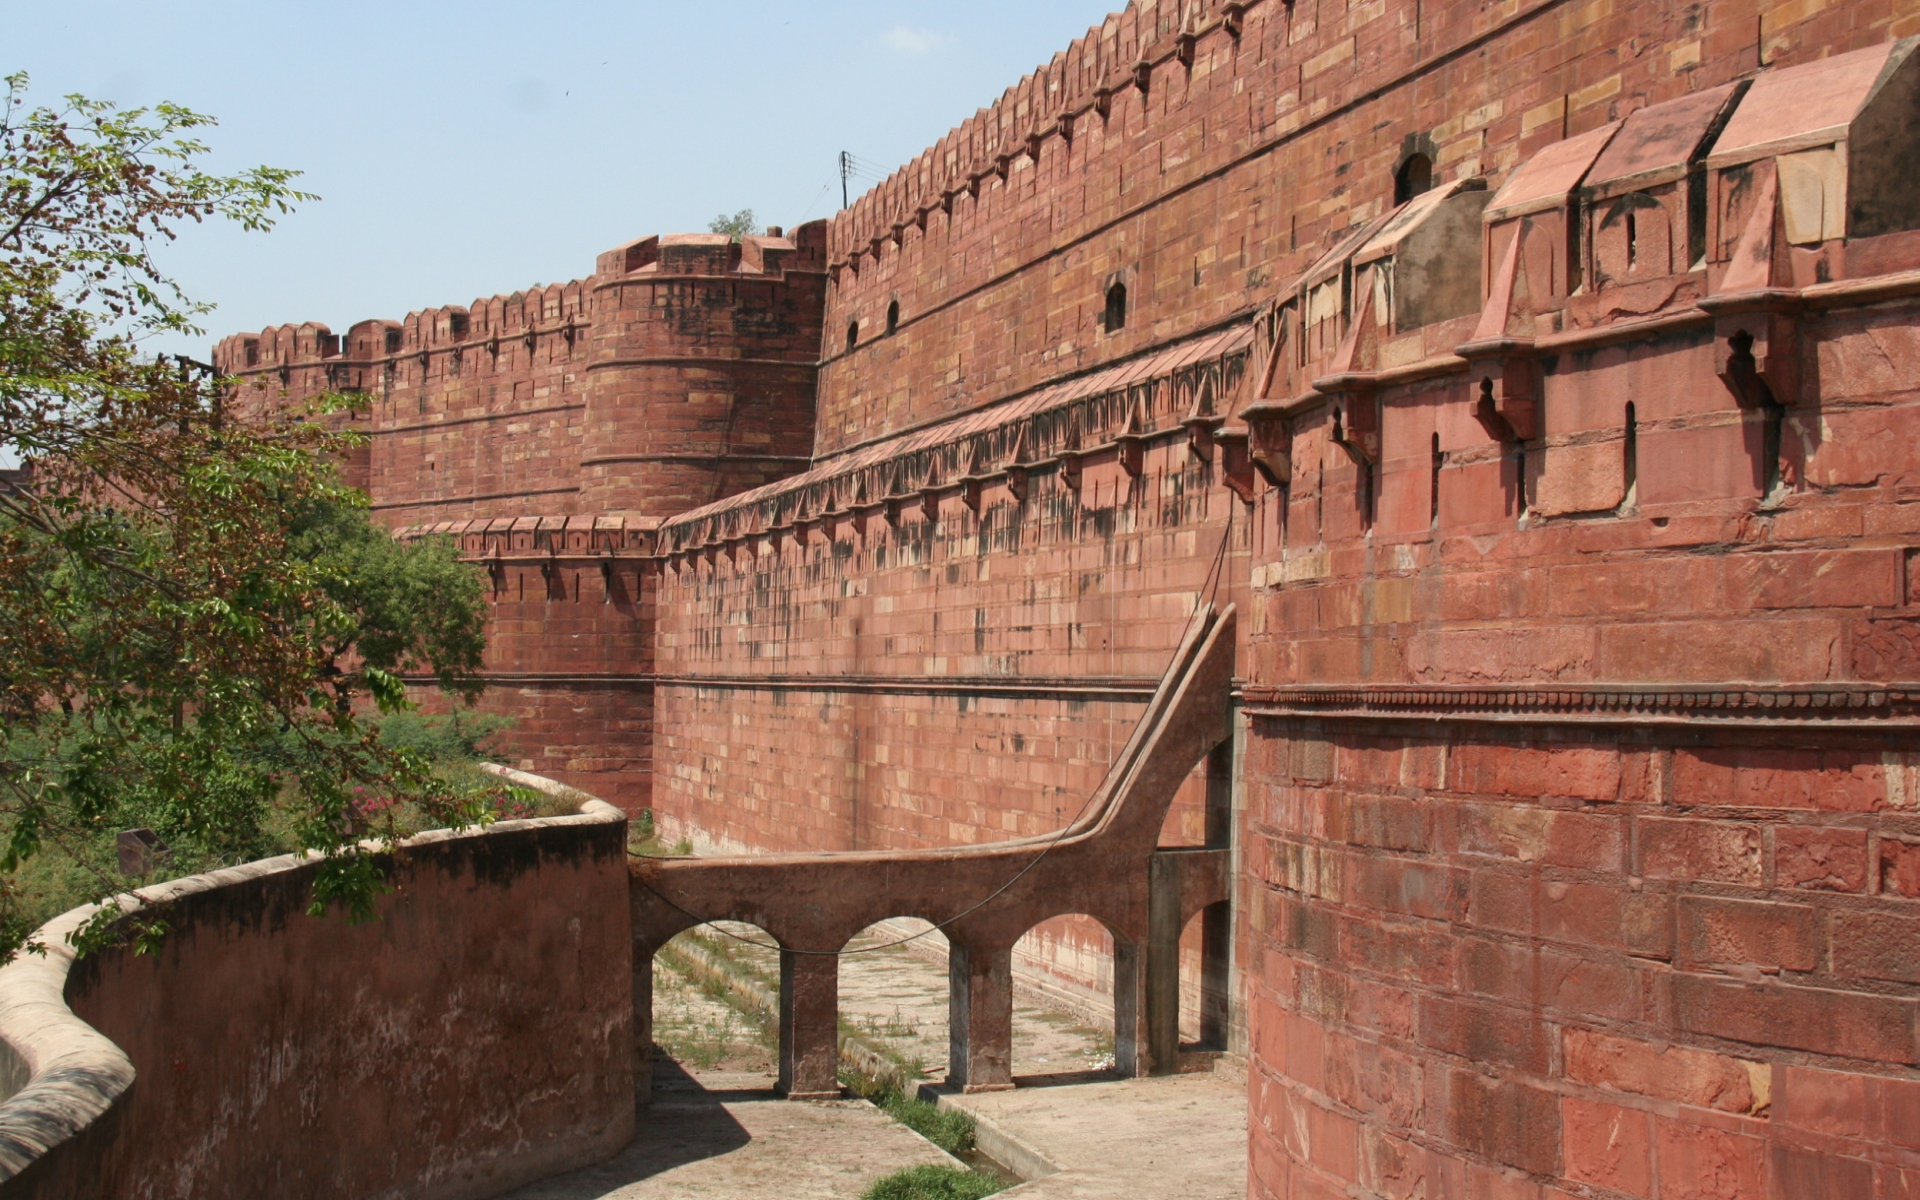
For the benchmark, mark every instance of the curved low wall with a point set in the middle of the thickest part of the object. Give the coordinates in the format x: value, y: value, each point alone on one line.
x: 477, y: 1036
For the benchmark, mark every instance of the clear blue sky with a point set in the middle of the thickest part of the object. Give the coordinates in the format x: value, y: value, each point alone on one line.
x: 463, y: 150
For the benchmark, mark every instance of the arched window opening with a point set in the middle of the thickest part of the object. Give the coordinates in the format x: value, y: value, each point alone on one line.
x: 1116, y: 307
x: 893, y: 316
x: 853, y: 334
x: 1414, y: 177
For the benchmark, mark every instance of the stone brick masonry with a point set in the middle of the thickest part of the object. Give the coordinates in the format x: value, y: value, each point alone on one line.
x: 1538, y: 378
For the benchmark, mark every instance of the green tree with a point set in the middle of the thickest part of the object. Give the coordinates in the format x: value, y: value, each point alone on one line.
x: 190, y: 600
x: 739, y: 225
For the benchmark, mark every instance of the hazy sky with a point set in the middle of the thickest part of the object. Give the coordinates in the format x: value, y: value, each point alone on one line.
x: 463, y: 150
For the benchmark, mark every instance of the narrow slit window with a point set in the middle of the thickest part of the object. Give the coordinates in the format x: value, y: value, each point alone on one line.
x: 1116, y: 307
x: 853, y: 334
x: 1630, y: 464
x: 893, y: 316
x: 1433, y: 489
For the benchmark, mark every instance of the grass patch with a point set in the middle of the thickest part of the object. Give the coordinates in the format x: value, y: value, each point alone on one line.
x: 947, y: 1128
x: 931, y: 1183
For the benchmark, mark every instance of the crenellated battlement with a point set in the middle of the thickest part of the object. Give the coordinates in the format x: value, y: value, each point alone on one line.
x: 1082, y: 83
x: 715, y: 255
x: 526, y: 396
x: 538, y: 311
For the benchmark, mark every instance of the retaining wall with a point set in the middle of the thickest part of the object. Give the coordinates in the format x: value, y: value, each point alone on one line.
x: 475, y: 1037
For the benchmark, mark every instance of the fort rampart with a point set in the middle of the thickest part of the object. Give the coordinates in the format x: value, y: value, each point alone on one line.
x: 1539, y: 379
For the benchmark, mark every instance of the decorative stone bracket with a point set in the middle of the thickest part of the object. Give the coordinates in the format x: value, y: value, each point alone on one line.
x: 1500, y: 357
x: 1755, y: 337
x: 1270, y: 440
x: 1508, y: 382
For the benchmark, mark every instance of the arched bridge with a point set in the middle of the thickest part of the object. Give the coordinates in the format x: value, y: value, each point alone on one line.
x: 1105, y: 864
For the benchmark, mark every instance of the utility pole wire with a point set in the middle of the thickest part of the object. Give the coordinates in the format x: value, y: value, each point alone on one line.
x: 851, y: 167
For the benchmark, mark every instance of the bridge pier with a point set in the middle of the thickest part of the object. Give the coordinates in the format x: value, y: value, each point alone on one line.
x: 642, y: 1026
x: 1132, y: 1052
x: 1181, y: 883
x: 809, y: 1026
x: 980, y: 1017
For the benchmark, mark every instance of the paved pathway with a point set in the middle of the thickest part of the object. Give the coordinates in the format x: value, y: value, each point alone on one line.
x: 723, y: 1134
x: 1178, y: 1137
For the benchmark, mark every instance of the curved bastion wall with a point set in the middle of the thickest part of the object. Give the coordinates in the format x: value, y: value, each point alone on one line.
x: 475, y: 1037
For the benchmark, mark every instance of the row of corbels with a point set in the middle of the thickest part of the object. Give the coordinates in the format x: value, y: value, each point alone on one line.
x: 1100, y: 102
x: 530, y: 338
x: 1204, y: 427
x: 550, y: 566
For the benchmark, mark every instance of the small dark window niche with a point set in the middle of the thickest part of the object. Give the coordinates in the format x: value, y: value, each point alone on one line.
x: 853, y: 334
x: 893, y: 316
x: 1414, y: 178
x: 1116, y: 316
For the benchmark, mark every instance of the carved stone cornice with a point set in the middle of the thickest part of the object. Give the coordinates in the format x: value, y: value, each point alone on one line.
x: 1877, y: 705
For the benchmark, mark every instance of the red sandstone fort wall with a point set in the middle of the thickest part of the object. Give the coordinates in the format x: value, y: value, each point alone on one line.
x: 1242, y: 160
x: 1519, y: 776
x: 1572, y: 511
x: 680, y: 372
x: 210, y: 1049
x: 548, y: 431
x: 982, y: 668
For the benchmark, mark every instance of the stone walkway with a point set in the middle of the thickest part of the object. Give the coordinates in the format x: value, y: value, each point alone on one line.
x: 1177, y: 1137
x: 724, y: 1134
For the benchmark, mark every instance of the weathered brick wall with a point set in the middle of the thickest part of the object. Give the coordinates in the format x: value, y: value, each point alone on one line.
x: 569, y: 661
x: 1652, y: 925
x: 1541, y: 887
x: 1229, y: 173
x: 1606, y: 957
x: 474, y: 411
x: 927, y: 681
x: 704, y: 353
x: 934, y: 679
x: 680, y: 372
x: 476, y: 1037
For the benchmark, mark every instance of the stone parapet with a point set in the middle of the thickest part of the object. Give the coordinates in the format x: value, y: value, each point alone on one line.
x: 259, y: 1048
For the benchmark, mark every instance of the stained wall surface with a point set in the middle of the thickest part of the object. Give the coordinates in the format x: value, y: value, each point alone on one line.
x: 1241, y: 159
x: 1570, y: 501
x: 476, y: 1036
